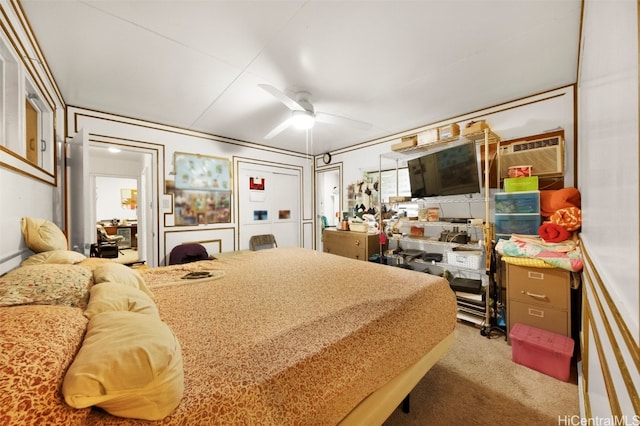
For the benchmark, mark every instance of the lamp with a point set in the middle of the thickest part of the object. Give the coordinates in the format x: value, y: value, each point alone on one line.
x: 302, y: 119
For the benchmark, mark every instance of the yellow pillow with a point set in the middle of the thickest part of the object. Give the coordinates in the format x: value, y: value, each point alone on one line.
x: 54, y: 256
x: 42, y: 235
x: 110, y: 296
x: 129, y: 364
x: 118, y: 273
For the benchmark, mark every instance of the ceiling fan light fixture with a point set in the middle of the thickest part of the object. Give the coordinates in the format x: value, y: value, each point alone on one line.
x: 302, y: 119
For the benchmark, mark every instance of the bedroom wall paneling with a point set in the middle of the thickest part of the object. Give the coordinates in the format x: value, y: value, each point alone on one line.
x: 608, y: 106
x: 117, y: 130
x: 25, y: 189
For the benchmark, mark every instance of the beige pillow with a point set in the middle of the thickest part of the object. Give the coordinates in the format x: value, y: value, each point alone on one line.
x: 118, y: 273
x: 110, y: 296
x: 129, y: 364
x: 54, y: 256
x: 42, y: 235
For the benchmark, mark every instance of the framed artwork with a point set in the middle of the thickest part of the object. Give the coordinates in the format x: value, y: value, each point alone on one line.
x: 129, y: 198
x: 202, y: 189
x: 201, y: 172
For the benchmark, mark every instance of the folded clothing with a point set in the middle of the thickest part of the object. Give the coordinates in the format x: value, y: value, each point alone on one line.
x: 553, y: 233
x: 553, y: 200
x: 569, y: 218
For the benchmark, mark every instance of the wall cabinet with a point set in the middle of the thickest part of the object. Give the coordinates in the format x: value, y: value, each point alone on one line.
x: 355, y: 245
x: 539, y: 297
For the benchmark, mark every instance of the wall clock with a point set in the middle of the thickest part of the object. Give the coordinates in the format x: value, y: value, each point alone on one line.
x: 326, y: 158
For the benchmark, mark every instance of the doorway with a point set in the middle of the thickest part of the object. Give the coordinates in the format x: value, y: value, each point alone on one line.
x: 328, y: 200
x: 122, y: 194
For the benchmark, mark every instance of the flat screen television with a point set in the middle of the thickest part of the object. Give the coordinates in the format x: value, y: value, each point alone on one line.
x: 452, y: 171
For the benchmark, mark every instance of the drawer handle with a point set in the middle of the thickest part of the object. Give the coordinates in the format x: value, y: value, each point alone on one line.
x: 357, y: 242
x: 536, y: 313
x: 535, y: 275
x: 537, y: 296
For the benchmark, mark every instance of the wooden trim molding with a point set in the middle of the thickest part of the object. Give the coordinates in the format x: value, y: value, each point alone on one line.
x: 604, y: 325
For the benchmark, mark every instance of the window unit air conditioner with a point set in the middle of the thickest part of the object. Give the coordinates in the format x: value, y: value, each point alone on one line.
x: 545, y: 155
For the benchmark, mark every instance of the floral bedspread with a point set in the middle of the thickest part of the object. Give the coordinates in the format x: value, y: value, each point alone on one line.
x: 565, y: 255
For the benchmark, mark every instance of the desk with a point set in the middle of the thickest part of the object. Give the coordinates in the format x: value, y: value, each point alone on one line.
x: 129, y: 232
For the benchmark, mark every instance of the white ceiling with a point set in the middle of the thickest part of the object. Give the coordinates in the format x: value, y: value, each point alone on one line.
x: 395, y: 64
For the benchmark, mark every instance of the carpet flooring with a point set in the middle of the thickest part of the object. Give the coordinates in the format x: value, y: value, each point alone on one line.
x: 476, y: 383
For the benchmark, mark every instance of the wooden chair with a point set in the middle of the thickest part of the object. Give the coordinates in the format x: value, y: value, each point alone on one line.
x: 261, y: 242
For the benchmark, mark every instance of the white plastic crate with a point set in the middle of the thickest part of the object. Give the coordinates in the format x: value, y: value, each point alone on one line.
x: 466, y: 259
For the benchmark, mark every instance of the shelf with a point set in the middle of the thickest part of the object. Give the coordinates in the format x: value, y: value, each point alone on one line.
x: 427, y: 223
x: 474, y: 137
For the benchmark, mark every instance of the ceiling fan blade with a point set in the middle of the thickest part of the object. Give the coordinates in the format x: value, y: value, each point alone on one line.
x: 278, y: 129
x: 324, y: 117
x: 289, y: 102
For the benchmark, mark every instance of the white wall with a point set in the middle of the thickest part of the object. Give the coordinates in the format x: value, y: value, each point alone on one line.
x: 608, y: 176
x: 26, y: 190
x: 108, y: 198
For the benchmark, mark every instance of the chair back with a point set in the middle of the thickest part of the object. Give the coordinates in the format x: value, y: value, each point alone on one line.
x: 187, y: 253
x: 261, y: 242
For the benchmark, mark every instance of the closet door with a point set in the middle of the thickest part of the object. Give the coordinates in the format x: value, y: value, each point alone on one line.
x: 269, y: 203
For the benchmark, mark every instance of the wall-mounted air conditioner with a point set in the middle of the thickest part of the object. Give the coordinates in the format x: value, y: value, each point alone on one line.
x: 545, y: 155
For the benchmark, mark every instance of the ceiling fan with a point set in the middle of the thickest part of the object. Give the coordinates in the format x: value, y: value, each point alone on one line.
x: 304, y: 115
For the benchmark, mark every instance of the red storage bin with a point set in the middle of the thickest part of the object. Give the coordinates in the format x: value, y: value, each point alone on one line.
x: 544, y: 351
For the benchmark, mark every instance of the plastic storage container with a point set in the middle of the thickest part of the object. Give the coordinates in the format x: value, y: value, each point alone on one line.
x: 521, y: 184
x: 526, y: 224
x: 541, y: 350
x: 518, y: 202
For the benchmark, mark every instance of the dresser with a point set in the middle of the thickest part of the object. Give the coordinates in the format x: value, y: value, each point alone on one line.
x: 539, y: 297
x: 356, y: 245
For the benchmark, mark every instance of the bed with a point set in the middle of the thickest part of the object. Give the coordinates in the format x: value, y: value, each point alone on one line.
x: 279, y: 336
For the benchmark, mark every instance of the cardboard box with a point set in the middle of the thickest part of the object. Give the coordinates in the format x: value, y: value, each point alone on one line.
x: 427, y: 137
x: 448, y: 131
x: 521, y: 184
x: 541, y: 350
x: 406, y: 143
x: 475, y: 127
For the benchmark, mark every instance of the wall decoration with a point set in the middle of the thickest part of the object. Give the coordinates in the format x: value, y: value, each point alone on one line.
x: 202, y: 193
x: 256, y: 183
x: 260, y: 215
x: 284, y: 214
x: 129, y: 198
x: 202, y: 207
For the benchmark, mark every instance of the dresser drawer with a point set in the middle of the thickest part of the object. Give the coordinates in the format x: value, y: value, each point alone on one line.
x: 540, y: 286
x: 355, y: 245
x: 542, y: 317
